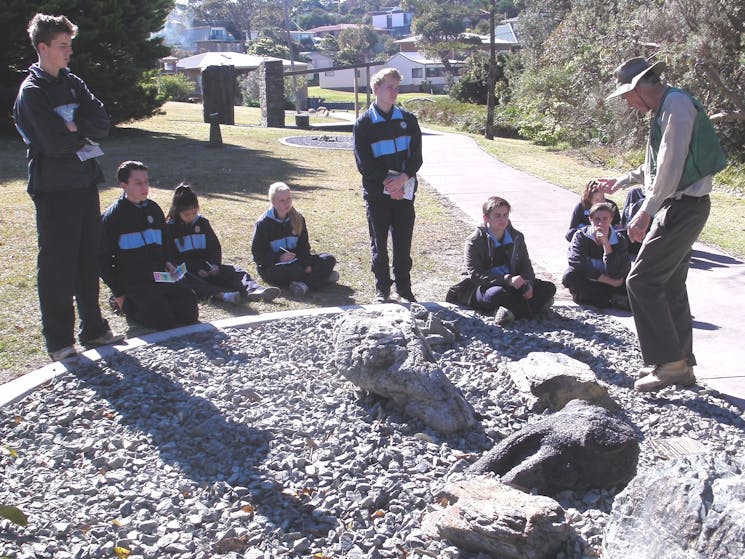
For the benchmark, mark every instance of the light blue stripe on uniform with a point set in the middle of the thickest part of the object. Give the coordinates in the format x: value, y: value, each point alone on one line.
x: 388, y: 147
x: 139, y: 239
x: 376, y: 117
x: 191, y: 242
x: 290, y: 243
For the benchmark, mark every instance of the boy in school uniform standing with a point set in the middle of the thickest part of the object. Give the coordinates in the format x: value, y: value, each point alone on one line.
x: 60, y: 120
x: 388, y: 153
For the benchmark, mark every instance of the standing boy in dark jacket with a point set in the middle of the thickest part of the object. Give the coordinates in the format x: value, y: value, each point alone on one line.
x: 136, y: 246
x: 388, y: 152
x: 60, y: 120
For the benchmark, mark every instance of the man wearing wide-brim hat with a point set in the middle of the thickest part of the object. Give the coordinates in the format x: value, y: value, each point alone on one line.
x: 683, y: 153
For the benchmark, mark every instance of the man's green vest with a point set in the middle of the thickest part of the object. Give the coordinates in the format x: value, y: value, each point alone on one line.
x: 705, y: 155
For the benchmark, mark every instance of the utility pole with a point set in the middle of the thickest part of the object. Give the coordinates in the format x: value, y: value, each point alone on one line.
x: 489, y: 128
x: 292, y: 55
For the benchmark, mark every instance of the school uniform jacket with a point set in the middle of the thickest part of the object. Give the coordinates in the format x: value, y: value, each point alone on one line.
x: 53, y: 165
x: 272, y: 234
x: 196, y: 243
x: 479, y: 258
x: 136, y: 243
x: 386, y: 142
x: 588, y: 258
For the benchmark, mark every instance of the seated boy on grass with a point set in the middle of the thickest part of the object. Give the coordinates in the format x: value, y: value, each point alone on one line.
x: 135, y: 250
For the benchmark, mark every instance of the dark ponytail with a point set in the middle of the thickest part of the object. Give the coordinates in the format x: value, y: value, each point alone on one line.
x: 184, y: 198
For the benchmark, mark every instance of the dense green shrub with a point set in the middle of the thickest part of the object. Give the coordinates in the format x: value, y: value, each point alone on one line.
x: 115, y: 51
x: 249, y: 87
x: 174, y: 87
x: 466, y: 117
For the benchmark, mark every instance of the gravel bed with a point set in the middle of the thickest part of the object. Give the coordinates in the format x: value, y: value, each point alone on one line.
x: 247, y: 443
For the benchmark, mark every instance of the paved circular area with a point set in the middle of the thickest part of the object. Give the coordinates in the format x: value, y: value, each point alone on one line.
x: 322, y: 141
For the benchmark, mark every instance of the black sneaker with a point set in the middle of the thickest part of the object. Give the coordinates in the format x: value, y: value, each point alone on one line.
x: 264, y: 294
x: 407, y: 296
x: 381, y: 296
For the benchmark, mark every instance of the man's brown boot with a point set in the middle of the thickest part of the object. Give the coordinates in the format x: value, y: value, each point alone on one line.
x: 646, y: 370
x: 674, y: 372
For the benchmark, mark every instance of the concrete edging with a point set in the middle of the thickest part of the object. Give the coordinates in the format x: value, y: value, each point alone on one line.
x: 20, y: 387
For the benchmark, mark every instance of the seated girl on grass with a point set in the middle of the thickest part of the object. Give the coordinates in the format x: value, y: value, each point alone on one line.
x: 199, y: 248
x: 281, y: 249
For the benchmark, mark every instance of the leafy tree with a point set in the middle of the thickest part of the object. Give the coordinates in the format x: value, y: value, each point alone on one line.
x: 329, y: 45
x: 247, y: 16
x: 114, y: 53
x: 316, y: 18
x: 267, y: 46
x: 357, y: 45
x: 439, y: 25
x: 473, y: 81
x: 571, y: 48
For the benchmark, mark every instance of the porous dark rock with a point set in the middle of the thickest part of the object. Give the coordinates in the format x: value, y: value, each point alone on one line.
x: 550, y: 380
x: 580, y: 447
x: 487, y: 516
x: 384, y: 352
x: 690, y: 507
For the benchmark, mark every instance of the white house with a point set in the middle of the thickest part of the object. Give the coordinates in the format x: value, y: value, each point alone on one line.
x: 417, y: 70
x: 395, y: 21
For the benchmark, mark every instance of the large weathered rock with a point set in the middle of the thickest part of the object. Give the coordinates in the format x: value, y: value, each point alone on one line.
x: 488, y: 516
x: 551, y: 380
x: 384, y: 352
x: 580, y: 447
x: 689, y: 508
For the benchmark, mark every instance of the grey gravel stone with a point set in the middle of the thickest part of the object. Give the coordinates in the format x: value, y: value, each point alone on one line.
x: 249, y: 432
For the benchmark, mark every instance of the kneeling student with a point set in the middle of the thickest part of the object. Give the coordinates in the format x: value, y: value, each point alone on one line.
x: 598, y: 262
x: 135, y: 248
x: 499, y: 274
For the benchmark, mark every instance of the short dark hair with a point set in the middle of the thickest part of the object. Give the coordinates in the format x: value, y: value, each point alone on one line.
x: 44, y: 28
x: 601, y: 207
x: 495, y: 202
x: 126, y: 168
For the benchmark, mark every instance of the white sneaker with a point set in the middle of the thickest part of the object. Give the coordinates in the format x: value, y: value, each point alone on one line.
x: 298, y: 288
x: 63, y: 353
x: 232, y: 297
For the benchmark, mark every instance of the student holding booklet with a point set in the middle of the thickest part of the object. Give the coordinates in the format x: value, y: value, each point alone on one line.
x: 137, y: 252
x: 281, y: 249
x: 388, y: 152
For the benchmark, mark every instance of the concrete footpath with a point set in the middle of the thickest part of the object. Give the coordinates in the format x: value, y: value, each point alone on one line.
x: 459, y: 169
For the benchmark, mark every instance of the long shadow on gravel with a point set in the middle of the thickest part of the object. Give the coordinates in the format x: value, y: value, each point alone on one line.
x: 192, y: 435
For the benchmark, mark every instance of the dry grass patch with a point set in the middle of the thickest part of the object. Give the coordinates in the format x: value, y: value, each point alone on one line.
x: 232, y: 182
